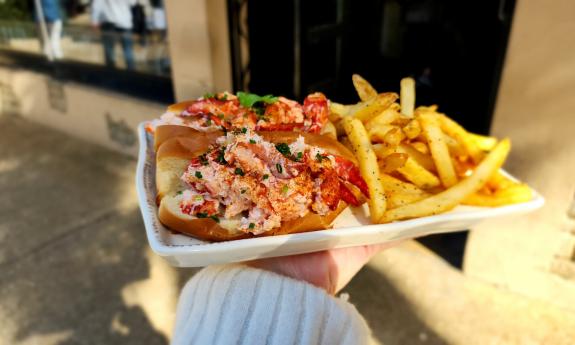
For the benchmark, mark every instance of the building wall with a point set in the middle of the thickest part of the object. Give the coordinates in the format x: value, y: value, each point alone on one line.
x: 102, y: 117
x: 535, y: 254
x: 200, y: 59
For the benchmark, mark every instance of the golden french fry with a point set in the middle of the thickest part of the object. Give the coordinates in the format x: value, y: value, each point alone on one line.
x: 337, y: 111
x: 455, y: 148
x: 395, y: 185
x: 377, y: 133
x: 499, y: 181
x: 515, y: 194
x: 423, y: 159
x: 393, y: 137
x: 368, y: 166
x: 400, y: 193
x: 385, y: 118
x: 374, y: 106
x: 392, y: 162
x: 439, y: 150
x: 421, y: 147
x: 457, y: 132
x: 363, y: 88
x: 407, y: 96
x: 364, y: 110
x: 451, y: 197
x: 401, y: 120
x: 383, y: 150
x: 485, y: 143
x: 418, y: 175
x: 425, y: 109
x: 329, y: 130
x: 400, y: 199
x: 412, y: 129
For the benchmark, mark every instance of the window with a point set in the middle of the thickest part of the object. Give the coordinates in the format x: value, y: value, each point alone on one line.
x: 107, y: 43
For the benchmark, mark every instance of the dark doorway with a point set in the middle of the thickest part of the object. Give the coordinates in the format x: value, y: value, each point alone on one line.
x: 453, y: 49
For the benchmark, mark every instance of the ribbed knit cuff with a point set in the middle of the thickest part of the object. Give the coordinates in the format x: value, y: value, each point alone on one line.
x: 236, y: 304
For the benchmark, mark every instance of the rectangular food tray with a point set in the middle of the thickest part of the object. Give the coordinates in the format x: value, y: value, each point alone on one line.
x: 351, y: 228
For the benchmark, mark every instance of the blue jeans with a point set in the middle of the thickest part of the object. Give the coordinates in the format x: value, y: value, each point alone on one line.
x: 110, y: 35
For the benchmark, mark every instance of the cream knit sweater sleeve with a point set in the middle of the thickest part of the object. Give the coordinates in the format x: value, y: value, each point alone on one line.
x: 235, y: 304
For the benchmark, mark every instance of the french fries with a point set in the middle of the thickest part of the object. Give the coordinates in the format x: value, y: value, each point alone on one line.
x: 439, y: 150
x: 449, y: 198
x: 385, y: 118
x: 368, y: 167
x: 418, y: 162
x: 418, y: 175
x: 514, y: 194
x: 407, y: 96
x: 457, y: 132
x: 412, y: 130
x: 364, y: 89
x: 375, y: 106
x: 393, y: 162
x: 483, y: 142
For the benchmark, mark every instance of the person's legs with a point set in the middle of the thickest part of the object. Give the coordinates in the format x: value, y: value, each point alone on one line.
x: 108, y: 42
x: 127, y: 46
x: 55, y: 33
x: 44, y: 44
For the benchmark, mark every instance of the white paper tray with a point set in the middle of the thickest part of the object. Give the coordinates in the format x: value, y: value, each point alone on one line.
x: 351, y: 228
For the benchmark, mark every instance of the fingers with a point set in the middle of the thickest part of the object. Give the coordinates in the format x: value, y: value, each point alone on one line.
x: 330, y: 270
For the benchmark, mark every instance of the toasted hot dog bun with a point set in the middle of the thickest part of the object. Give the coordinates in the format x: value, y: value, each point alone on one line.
x: 207, y: 229
x: 172, y: 158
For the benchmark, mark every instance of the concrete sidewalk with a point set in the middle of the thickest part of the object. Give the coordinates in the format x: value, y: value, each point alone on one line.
x: 75, y: 267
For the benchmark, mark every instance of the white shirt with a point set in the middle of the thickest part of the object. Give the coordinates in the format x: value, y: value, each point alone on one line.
x: 117, y: 12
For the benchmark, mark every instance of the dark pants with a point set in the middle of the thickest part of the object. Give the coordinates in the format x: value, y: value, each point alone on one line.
x: 110, y: 35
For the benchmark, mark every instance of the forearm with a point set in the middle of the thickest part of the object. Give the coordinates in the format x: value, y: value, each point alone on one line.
x: 225, y: 304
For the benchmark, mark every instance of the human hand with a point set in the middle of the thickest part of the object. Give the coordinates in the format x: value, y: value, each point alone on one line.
x: 330, y: 270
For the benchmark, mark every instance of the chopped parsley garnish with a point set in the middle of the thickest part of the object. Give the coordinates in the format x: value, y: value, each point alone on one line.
x: 244, y: 130
x: 319, y: 157
x: 279, y: 168
x: 239, y: 171
x: 248, y: 100
x: 201, y: 215
x: 265, y: 177
x: 208, y: 122
x: 285, y: 189
x: 220, y: 158
x: 215, y: 218
x: 298, y: 156
x: 252, y: 225
x: 203, y: 159
x: 223, y: 98
x: 252, y: 141
x: 260, y: 112
x: 208, y: 95
x: 283, y: 148
x: 198, y: 174
x: 179, y: 192
x: 221, y: 116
